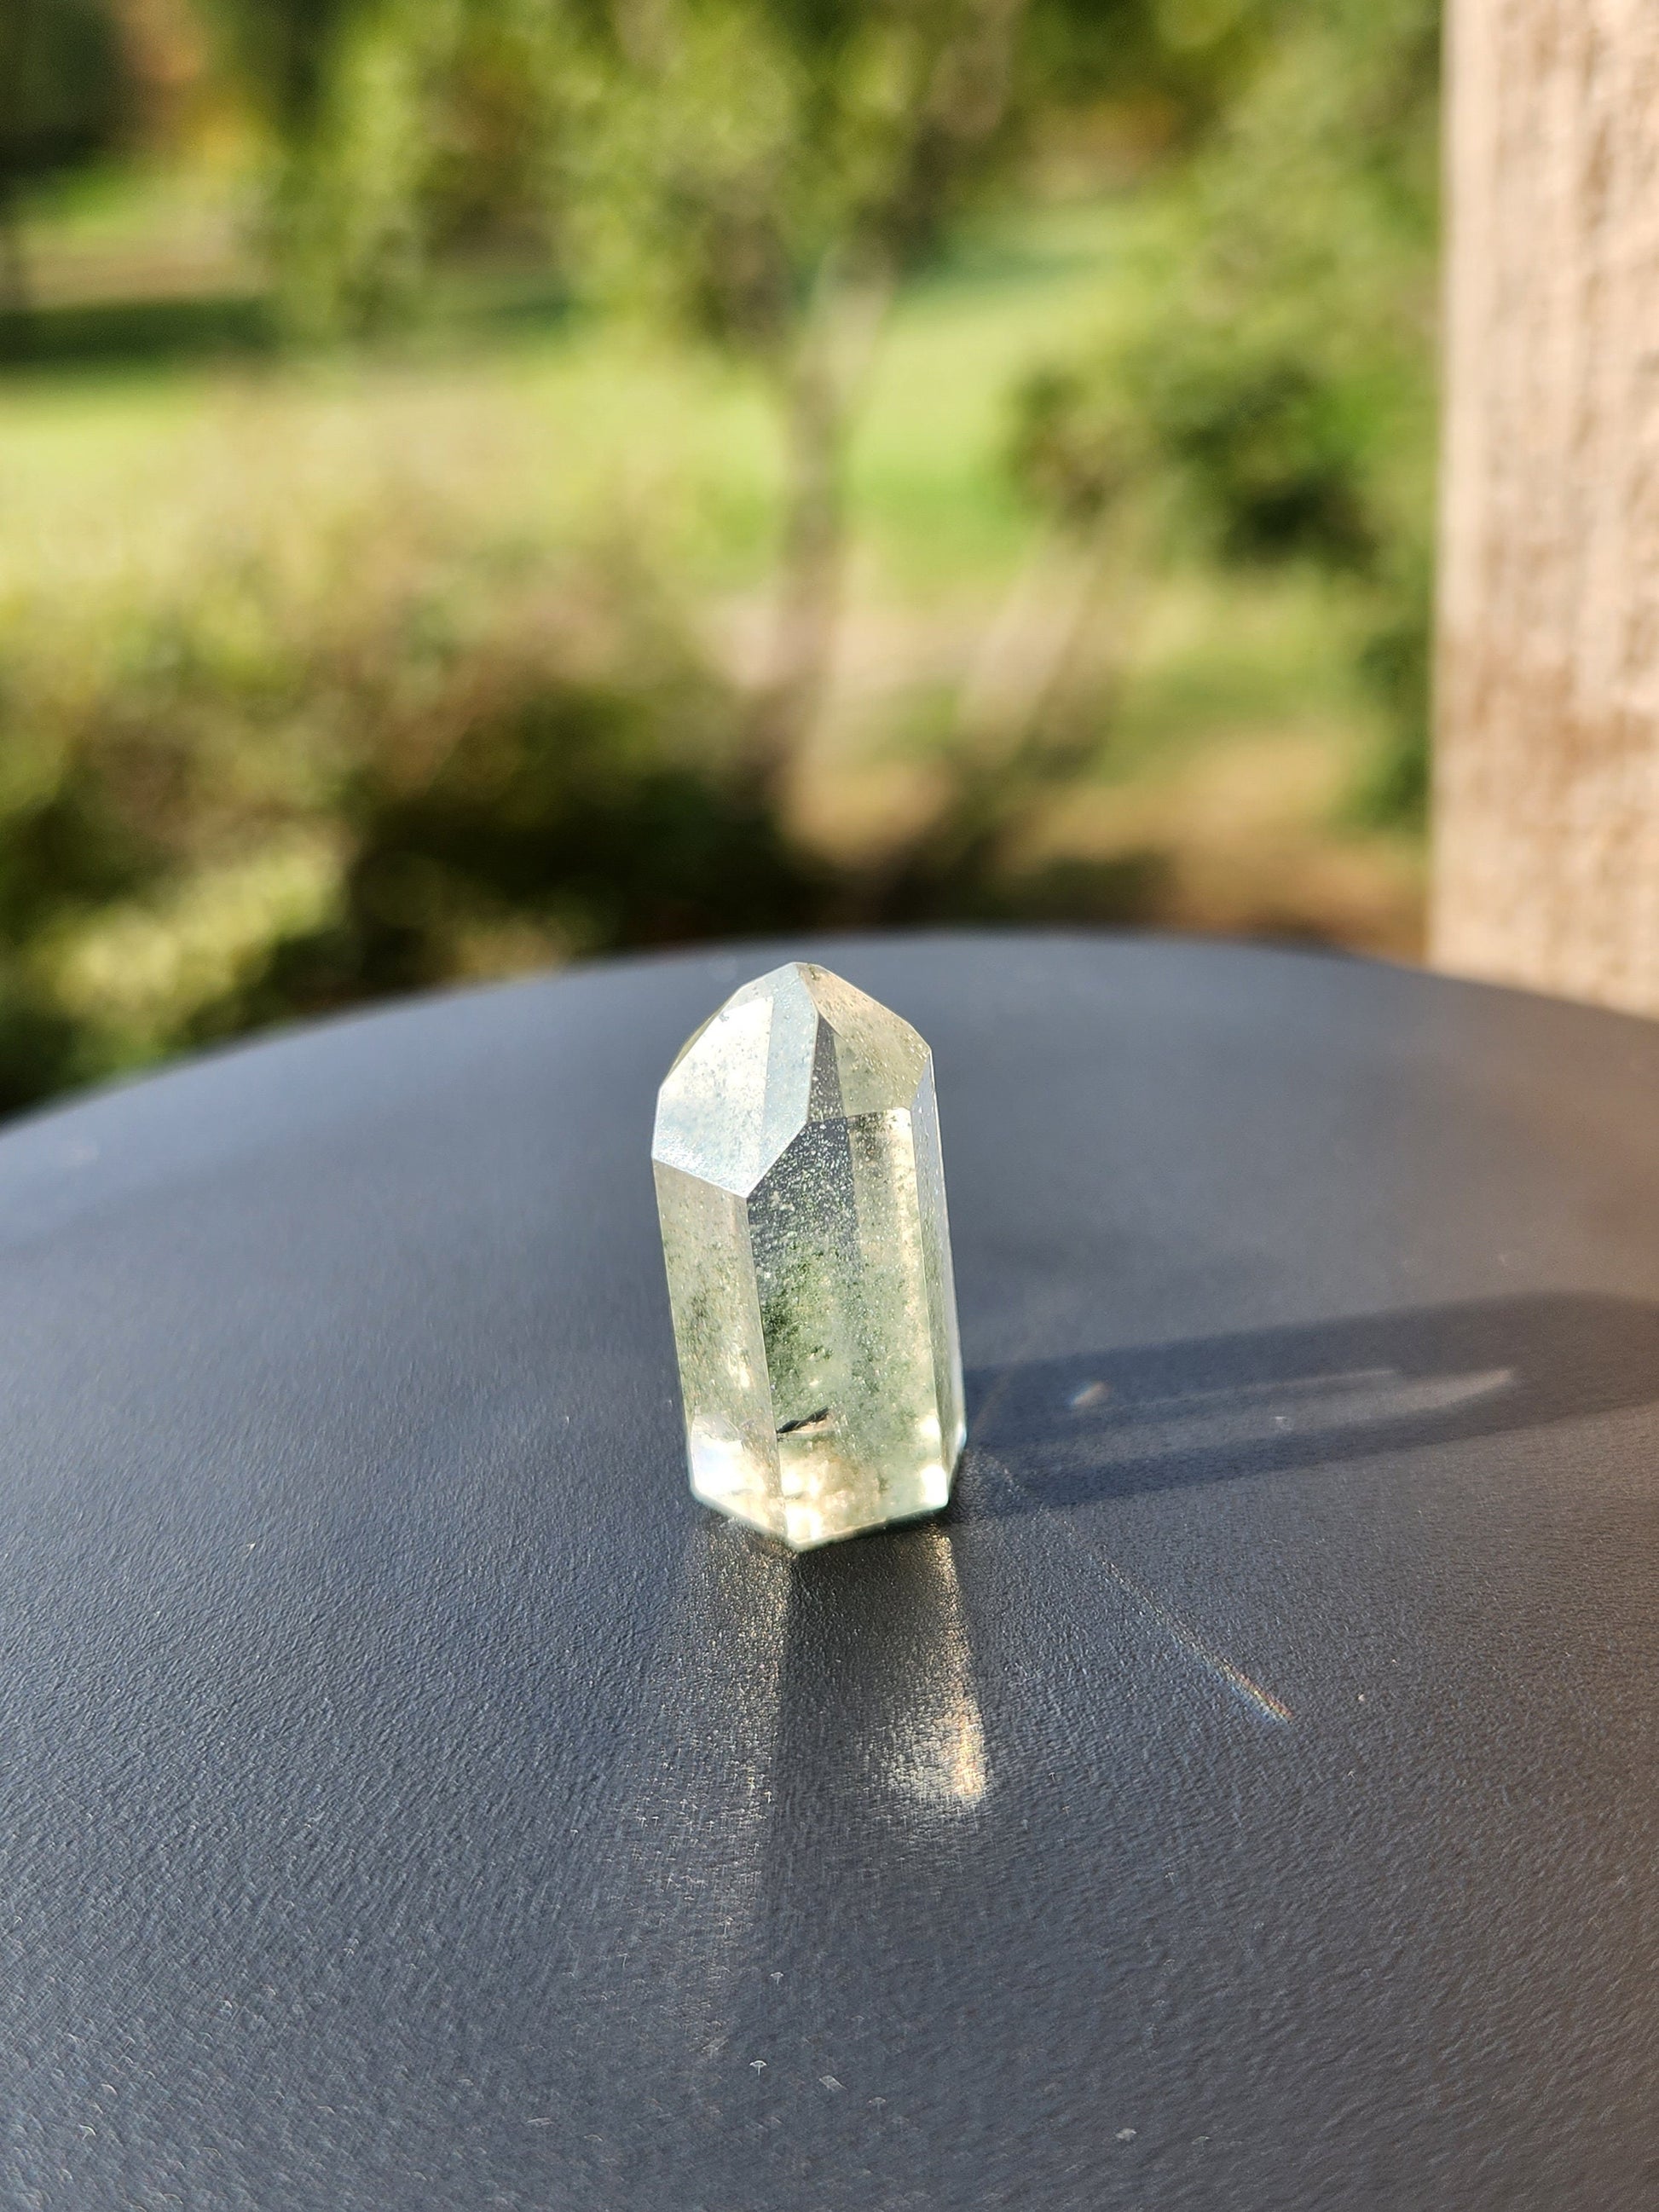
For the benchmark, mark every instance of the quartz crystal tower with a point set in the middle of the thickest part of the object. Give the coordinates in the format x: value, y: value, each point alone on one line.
x: 802, y: 1198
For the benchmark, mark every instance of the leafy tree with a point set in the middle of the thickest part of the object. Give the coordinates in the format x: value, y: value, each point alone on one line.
x: 1275, y: 399
x: 759, y: 173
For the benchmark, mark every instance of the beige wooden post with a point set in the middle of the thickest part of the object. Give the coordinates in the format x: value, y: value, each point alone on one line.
x: 1546, y: 777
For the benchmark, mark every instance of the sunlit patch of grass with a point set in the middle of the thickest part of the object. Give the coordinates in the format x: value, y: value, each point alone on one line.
x: 139, y: 973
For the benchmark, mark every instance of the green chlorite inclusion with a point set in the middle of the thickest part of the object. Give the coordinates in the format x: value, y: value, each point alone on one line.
x: 802, y: 1198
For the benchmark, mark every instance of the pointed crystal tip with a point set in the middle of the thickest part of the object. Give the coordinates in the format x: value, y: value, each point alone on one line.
x: 802, y: 1198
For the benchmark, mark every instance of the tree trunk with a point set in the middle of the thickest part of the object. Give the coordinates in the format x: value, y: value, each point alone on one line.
x: 809, y: 569
x: 824, y: 380
x: 1547, y: 801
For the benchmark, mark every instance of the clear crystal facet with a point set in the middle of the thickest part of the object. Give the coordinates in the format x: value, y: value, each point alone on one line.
x: 802, y: 1198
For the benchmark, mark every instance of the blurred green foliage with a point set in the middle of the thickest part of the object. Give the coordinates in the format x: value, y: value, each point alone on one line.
x: 61, y: 88
x: 62, y: 85
x: 432, y: 760
x: 331, y: 750
x: 1274, y: 394
x: 716, y: 160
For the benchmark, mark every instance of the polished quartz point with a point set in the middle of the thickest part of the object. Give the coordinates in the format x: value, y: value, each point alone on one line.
x: 802, y: 1198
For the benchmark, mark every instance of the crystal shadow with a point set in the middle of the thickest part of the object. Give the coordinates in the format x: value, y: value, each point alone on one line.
x: 1163, y: 1417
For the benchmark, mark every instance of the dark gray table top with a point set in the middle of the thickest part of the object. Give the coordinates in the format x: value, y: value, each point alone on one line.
x: 1247, y: 1797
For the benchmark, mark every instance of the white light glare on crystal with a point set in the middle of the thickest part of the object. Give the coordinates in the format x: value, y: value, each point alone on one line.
x: 802, y: 1198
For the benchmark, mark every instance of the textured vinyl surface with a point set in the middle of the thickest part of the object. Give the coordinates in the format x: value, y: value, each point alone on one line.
x: 1247, y: 1797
